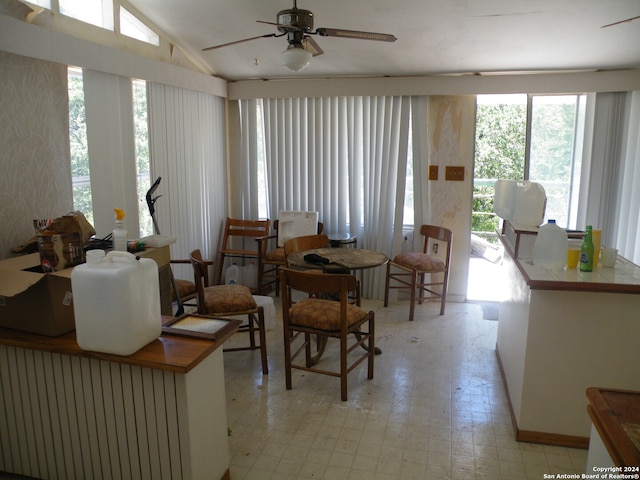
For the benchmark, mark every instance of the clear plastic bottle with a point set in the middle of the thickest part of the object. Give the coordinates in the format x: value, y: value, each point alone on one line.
x: 550, y: 247
x: 119, y: 234
x: 232, y: 275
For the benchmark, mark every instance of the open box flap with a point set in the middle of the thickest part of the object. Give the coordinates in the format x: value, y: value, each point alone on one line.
x: 13, y: 282
x: 14, y: 278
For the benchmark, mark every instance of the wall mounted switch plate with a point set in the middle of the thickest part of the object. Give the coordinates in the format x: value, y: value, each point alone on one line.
x: 454, y: 173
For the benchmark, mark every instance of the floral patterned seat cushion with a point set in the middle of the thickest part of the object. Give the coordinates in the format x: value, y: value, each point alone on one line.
x: 419, y: 261
x: 227, y: 299
x: 184, y: 287
x: 276, y: 255
x: 323, y: 314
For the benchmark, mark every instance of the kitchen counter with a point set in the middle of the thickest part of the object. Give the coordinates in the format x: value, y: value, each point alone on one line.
x: 615, y: 436
x: 560, y: 332
x: 170, y: 353
x: 74, y: 414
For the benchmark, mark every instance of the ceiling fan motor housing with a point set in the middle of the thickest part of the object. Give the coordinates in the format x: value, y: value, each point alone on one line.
x: 295, y: 19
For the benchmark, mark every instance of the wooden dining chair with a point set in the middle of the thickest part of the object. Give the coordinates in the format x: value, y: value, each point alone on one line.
x: 230, y: 300
x: 273, y: 259
x: 238, y: 242
x: 306, y: 242
x: 318, y: 315
x: 185, y: 289
x: 410, y: 269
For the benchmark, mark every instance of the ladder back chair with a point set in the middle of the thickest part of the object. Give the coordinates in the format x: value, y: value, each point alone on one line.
x: 410, y: 269
x: 239, y: 242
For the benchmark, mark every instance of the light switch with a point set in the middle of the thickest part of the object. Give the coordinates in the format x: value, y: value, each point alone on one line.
x: 433, y: 172
x: 454, y: 173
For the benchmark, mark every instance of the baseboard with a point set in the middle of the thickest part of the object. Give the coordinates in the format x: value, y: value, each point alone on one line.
x: 555, y: 439
x: 543, y: 438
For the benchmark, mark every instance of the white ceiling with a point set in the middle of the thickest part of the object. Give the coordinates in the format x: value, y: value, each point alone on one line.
x: 434, y: 36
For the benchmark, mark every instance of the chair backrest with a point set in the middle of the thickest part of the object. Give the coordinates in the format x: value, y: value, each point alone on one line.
x: 236, y: 231
x: 296, y: 223
x: 200, y: 275
x: 437, y: 234
x: 314, y: 283
x: 277, y: 222
x: 307, y: 242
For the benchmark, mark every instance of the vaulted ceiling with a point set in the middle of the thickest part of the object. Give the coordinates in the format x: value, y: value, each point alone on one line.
x: 433, y: 36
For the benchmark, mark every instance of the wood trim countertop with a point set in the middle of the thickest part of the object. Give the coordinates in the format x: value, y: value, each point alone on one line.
x: 625, y: 278
x: 171, y: 353
x: 610, y: 410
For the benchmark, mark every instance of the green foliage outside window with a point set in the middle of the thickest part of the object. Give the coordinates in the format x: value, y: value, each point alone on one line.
x: 78, y: 146
x: 80, y: 171
x: 500, y: 153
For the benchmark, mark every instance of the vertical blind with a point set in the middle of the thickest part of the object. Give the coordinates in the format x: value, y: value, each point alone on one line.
x: 345, y: 157
x: 188, y: 151
x: 628, y: 219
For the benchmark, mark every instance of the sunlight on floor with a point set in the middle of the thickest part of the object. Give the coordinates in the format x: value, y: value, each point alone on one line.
x: 487, y: 281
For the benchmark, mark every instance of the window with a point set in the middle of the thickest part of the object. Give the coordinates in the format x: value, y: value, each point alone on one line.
x: 42, y: 3
x: 142, y: 154
x: 263, y: 190
x: 408, y: 215
x: 80, y: 168
x: 95, y: 12
x: 551, y: 157
x: 80, y: 174
x: 134, y: 28
x: 501, y: 122
x: 555, y: 153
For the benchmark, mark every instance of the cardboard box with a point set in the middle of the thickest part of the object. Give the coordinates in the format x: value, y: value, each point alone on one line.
x: 35, y: 302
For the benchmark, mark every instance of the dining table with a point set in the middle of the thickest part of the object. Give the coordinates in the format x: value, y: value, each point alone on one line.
x: 336, y: 260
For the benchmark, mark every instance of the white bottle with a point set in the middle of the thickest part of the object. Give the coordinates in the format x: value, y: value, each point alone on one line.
x: 119, y: 237
x: 231, y: 276
x: 550, y: 247
x: 119, y: 234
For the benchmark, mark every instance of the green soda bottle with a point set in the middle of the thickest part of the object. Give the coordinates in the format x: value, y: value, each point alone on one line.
x: 586, y: 251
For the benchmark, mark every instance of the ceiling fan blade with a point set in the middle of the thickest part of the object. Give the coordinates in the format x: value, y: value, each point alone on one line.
x: 239, y: 41
x: 336, y: 32
x: 311, y: 46
x: 269, y: 23
x: 621, y: 21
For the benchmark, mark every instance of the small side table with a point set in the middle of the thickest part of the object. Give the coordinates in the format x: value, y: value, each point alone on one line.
x: 343, y: 240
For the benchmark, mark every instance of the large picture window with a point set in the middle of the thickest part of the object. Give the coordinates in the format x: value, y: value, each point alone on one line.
x: 535, y: 137
x: 80, y: 165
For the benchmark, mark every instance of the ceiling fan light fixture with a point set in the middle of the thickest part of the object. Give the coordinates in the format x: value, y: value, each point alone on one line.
x: 295, y: 57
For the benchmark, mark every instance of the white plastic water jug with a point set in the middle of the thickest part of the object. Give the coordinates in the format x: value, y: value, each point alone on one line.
x: 550, y: 247
x: 232, y: 275
x: 504, y: 200
x: 250, y: 275
x: 531, y: 203
x: 116, y: 302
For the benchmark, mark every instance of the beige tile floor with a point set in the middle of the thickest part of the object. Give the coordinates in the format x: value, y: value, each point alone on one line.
x: 436, y: 409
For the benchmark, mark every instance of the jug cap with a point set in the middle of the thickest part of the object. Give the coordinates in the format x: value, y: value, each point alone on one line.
x: 95, y: 256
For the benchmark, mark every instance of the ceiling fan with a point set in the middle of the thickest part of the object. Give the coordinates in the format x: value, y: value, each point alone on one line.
x: 621, y: 21
x: 297, y: 25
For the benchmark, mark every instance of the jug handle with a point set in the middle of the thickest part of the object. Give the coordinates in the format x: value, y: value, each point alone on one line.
x: 114, y: 254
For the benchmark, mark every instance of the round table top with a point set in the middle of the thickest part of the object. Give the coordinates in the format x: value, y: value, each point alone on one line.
x: 349, y: 258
